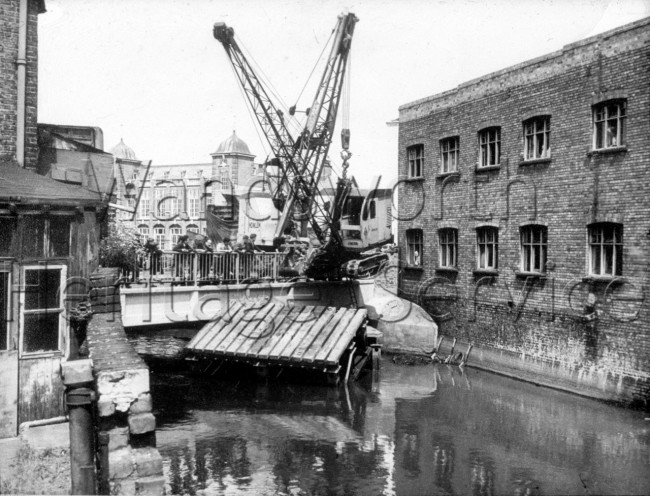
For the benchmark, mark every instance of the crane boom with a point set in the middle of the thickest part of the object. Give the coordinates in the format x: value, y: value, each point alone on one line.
x: 269, y: 117
x: 316, y: 138
x: 301, y: 160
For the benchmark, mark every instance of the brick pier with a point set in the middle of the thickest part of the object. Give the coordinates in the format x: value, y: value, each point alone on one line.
x: 124, y: 399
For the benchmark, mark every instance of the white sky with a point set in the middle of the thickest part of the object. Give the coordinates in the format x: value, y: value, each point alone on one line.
x: 150, y: 71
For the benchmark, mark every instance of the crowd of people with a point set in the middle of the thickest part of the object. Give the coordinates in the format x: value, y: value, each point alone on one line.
x: 210, y: 269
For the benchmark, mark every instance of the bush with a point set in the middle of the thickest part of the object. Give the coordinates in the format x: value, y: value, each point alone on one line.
x: 121, y: 248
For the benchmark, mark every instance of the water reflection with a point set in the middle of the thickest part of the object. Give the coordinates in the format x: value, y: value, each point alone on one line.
x: 421, y: 430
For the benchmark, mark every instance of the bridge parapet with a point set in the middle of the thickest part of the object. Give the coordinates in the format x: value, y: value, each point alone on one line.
x: 124, y: 402
x: 208, y: 268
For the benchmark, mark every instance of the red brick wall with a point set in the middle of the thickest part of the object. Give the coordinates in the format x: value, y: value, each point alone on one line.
x: 9, y: 19
x: 541, y: 319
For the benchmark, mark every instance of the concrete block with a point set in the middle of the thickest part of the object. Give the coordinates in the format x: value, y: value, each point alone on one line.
x: 141, y: 423
x: 123, y: 386
x: 121, y: 464
x: 105, y: 407
x: 123, y: 486
x: 77, y: 372
x: 118, y: 438
x: 150, y: 486
x: 142, y: 405
x: 148, y: 461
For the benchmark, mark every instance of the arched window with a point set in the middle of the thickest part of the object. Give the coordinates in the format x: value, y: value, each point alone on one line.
x: 192, y: 228
x: 606, y: 249
x: 143, y: 229
x: 448, y: 239
x: 487, y: 240
x: 534, y: 239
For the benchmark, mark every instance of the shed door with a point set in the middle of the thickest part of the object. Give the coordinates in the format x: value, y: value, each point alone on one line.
x: 8, y: 360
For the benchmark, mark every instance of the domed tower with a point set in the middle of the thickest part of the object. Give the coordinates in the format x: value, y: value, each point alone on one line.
x: 127, y: 169
x: 232, y: 161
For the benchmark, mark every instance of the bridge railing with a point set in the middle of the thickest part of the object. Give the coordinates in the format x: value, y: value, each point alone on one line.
x: 205, y: 268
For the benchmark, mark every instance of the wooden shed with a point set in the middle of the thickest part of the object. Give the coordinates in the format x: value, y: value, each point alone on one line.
x: 49, y: 239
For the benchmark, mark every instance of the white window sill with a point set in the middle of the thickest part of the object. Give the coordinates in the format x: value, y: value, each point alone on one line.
x: 488, y: 168
x: 607, y: 151
x: 535, y: 161
x: 524, y: 275
x: 442, y: 175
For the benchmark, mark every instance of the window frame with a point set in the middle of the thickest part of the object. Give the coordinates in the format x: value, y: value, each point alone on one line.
x: 62, y: 326
x: 600, y: 125
x: 145, y: 203
x: 485, y: 154
x: 413, y: 255
x: 529, y: 246
x: 445, y: 245
x: 160, y: 236
x: 175, y: 232
x: 617, y: 248
x: 533, y: 136
x: 483, y: 232
x: 4, y: 346
x: 47, y: 247
x: 449, y: 147
x: 415, y: 161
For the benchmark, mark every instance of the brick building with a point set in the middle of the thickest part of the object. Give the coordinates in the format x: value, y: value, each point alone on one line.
x: 19, y: 80
x: 524, y: 224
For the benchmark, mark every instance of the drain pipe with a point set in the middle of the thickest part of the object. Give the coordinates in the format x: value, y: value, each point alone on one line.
x: 21, y: 62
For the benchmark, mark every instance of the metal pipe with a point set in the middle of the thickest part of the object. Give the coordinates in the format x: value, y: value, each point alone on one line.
x: 21, y: 62
x: 38, y: 423
x: 82, y: 449
x: 103, y: 486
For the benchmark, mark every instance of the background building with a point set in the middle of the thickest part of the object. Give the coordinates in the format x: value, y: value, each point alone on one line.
x: 172, y: 199
x: 524, y: 223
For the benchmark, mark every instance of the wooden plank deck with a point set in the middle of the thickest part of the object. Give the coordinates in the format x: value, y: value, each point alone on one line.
x: 268, y: 334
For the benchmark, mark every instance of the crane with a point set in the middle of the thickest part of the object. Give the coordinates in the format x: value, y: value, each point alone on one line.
x: 301, y: 159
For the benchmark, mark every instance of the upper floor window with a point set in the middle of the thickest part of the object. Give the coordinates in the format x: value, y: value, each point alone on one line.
x: 487, y: 239
x: 194, y: 202
x: 448, y: 239
x: 606, y: 249
x: 415, y: 155
x: 7, y: 228
x: 534, y: 241
x: 449, y: 149
x: 46, y: 236
x: 609, y: 124
x: 414, y: 247
x: 537, y: 138
x: 490, y: 147
x: 145, y: 204
x: 143, y: 229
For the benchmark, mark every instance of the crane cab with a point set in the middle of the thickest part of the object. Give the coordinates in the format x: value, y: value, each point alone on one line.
x: 366, y: 219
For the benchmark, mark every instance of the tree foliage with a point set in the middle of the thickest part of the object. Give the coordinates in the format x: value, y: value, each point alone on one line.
x: 121, y: 247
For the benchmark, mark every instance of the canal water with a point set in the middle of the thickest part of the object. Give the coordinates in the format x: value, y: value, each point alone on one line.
x: 420, y: 430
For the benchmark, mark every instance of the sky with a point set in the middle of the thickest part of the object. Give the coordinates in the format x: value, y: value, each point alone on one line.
x: 151, y: 73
